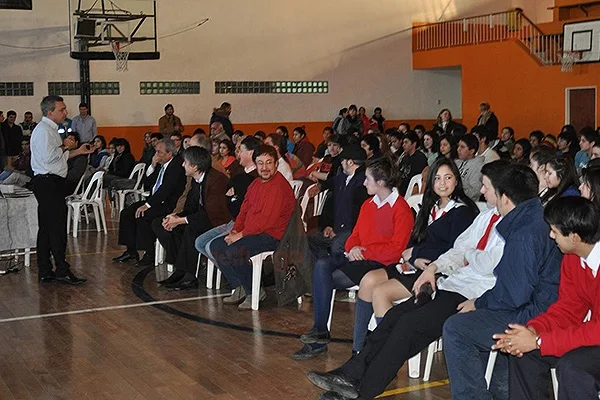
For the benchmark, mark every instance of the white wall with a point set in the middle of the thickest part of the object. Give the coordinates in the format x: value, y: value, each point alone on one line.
x: 536, y: 10
x: 362, y: 49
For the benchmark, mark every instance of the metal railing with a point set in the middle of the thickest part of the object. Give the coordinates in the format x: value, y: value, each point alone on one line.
x: 497, y: 27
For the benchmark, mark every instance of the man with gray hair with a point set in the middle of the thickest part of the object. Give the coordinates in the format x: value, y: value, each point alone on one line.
x: 49, y: 155
x: 165, y: 184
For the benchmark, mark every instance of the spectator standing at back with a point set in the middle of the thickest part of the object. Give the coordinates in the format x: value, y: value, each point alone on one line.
x: 222, y: 115
x: 28, y: 124
x: 169, y: 123
x: 12, y: 135
x: 379, y: 119
x: 487, y: 118
x: 84, y: 124
x: 352, y: 120
x: 338, y: 121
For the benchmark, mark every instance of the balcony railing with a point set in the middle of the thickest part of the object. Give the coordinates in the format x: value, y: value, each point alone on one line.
x: 497, y: 27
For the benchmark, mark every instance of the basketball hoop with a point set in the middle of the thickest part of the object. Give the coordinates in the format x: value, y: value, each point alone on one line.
x: 121, y: 55
x: 568, y: 59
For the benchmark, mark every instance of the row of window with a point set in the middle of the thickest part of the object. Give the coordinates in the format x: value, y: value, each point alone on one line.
x: 16, y: 4
x: 171, y: 88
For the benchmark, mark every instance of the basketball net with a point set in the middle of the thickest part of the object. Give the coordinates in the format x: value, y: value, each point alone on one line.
x: 121, y: 55
x: 568, y: 60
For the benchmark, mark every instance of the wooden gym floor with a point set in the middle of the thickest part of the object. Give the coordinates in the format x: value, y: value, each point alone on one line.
x: 121, y: 337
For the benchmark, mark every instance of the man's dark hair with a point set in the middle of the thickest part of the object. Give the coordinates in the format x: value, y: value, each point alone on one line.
x: 494, y: 169
x: 574, y: 214
x: 377, y: 109
x: 157, y: 135
x: 265, y: 150
x: 590, y: 176
x: 420, y: 127
x: 412, y: 136
x: 260, y: 134
x: 49, y: 104
x: 28, y: 113
x: 539, y: 135
x: 373, y: 142
x: 510, y: 130
x: 589, y: 134
x: 518, y: 182
x: 83, y: 105
x: 395, y: 134
x: 75, y: 136
x: 280, y: 141
x: 199, y: 130
x: 176, y: 134
x: 484, y: 133
x: 335, y: 139
x: 11, y: 112
x: 352, y: 107
x: 405, y: 124
x: 225, y: 104
x: 328, y: 129
x: 169, y: 106
x: 251, y: 144
x: 198, y: 157
x: 471, y: 141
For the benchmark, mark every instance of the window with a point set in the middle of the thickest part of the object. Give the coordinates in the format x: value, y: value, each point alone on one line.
x: 16, y: 4
x: 272, y: 87
x: 74, y: 88
x: 150, y: 88
x: 16, y: 88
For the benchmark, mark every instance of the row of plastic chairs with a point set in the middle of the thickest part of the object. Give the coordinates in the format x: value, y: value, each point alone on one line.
x: 92, y: 196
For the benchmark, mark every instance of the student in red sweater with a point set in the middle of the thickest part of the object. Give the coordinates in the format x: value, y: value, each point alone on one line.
x: 560, y: 338
x: 379, y: 237
x: 260, y: 225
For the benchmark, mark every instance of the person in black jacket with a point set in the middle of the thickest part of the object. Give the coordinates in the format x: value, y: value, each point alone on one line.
x: 205, y: 207
x: 166, y: 185
x: 342, y: 206
x: 221, y: 115
x: 121, y: 165
x: 488, y: 119
x: 76, y: 166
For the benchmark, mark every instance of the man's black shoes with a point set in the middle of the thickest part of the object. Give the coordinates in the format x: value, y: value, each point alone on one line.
x: 70, y: 279
x: 335, y: 382
x: 126, y: 257
x: 313, y: 336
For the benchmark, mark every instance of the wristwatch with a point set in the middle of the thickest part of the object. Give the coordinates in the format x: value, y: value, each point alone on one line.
x: 538, y: 342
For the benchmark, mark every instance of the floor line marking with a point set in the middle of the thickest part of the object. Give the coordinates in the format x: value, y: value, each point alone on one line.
x: 413, y: 388
x: 110, y: 308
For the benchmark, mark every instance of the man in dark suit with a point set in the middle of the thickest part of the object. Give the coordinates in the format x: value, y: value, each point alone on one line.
x: 205, y: 208
x: 166, y: 185
x: 341, y: 208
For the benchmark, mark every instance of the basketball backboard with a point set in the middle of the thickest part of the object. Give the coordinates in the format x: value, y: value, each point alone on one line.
x: 583, y: 37
x: 95, y: 25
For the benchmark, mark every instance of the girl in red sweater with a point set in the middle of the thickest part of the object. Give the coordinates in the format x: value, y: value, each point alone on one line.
x: 379, y: 237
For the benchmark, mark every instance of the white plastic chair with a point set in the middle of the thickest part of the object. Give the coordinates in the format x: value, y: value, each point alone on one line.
x: 92, y: 197
x: 296, y: 186
x: 159, y: 253
x: 79, y: 189
x: 416, y: 180
x: 318, y: 203
x: 415, y: 201
x: 137, y: 174
x: 210, y: 271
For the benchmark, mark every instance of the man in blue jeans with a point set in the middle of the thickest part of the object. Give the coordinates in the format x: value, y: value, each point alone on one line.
x: 526, y: 285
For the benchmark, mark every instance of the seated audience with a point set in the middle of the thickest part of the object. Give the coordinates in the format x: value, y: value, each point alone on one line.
x: 28, y: 124
x: 536, y: 138
x: 100, y: 151
x: 260, y: 225
x: 111, y: 150
x: 76, y: 166
x: 448, y: 147
x: 561, y: 337
x: 567, y: 142
x: 283, y: 165
x: 412, y: 161
x: 121, y: 165
x: 403, y: 128
x: 236, y: 192
x: 445, y: 124
x: 445, y: 213
x: 205, y: 208
x: 420, y: 131
x: 331, y: 163
x: 520, y: 151
x: 549, y: 142
x: 561, y: 179
x: 166, y: 184
x: 342, y: 206
x: 283, y: 131
x: 378, y: 239
x: 303, y: 148
x: 148, y: 150
x: 186, y: 141
x: 20, y: 173
x: 539, y: 157
x: 370, y: 143
x: 178, y: 140
x: 378, y: 119
x: 430, y: 147
x: 395, y: 141
x: 590, y: 182
x: 488, y: 119
x: 469, y: 165
x: 260, y: 135
x: 526, y: 284
x: 351, y: 122
x: 595, y: 151
x: 322, y: 147
x: 504, y: 147
x: 587, y: 140
x: 486, y: 139
x: 410, y: 327
x: 238, y: 136
x: 226, y: 152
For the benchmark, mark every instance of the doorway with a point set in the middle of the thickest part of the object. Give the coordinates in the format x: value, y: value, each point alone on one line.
x: 580, y: 107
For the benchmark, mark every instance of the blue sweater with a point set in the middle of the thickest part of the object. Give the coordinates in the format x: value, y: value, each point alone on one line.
x: 528, y: 273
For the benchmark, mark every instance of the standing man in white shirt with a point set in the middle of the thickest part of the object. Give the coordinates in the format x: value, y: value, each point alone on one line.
x: 84, y: 124
x: 49, y: 155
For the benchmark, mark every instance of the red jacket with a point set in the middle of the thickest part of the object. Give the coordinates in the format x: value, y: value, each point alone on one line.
x: 561, y: 328
x: 384, y: 232
x: 267, y: 208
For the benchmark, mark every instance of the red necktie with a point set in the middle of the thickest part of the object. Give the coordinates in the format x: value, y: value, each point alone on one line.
x: 484, y: 239
x: 433, y: 213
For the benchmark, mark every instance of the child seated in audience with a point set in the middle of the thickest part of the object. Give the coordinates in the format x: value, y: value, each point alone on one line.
x: 520, y: 151
x: 536, y: 138
x: 588, y: 138
x: 445, y: 213
x: 303, y: 148
x: 567, y: 336
x: 590, y: 182
x: 99, y: 153
x: 561, y: 178
x: 538, y: 159
x: 380, y: 235
x: 469, y: 165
